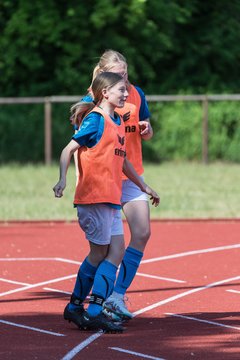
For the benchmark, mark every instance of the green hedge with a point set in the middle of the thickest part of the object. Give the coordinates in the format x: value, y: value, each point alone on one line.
x: 177, y: 132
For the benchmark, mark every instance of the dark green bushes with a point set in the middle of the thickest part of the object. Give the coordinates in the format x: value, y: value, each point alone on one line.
x: 177, y: 132
x: 22, y: 132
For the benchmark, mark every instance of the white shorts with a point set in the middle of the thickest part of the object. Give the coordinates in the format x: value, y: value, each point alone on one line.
x: 131, y: 192
x: 99, y: 222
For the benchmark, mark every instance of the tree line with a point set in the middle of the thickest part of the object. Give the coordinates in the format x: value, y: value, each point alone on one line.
x: 49, y: 47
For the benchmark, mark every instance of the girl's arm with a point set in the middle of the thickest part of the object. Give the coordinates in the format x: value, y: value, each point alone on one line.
x: 63, y: 167
x: 75, y: 156
x: 145, y: 127
x: 131, y: 173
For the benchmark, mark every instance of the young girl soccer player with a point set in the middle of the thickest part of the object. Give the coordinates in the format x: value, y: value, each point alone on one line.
x: 134, y: 201
x: 100, y: 142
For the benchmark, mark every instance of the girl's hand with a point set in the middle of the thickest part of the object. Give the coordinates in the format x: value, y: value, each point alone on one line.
x: 153, y: 196
x: 144, y: 127
x: 58, y: 189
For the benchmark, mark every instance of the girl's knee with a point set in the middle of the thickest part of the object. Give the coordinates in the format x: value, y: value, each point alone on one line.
x: 97, y: 256
x: 115, y: 254
x: 142, y: 235
x: 139, y: 240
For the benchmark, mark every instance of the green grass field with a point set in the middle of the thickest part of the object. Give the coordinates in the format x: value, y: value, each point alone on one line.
x: 187, y: 190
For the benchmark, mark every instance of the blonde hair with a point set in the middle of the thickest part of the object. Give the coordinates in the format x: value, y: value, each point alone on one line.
x: 107, y: 61
x: 101, y: 81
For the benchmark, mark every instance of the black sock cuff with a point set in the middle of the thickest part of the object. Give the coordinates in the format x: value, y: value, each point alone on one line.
x: 96, y: 299
x: 76, y: 300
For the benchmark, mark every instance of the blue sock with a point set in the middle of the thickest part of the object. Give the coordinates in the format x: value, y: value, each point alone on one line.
x: 103, y: 285
x: 84, y: 281
x: 128, y: 269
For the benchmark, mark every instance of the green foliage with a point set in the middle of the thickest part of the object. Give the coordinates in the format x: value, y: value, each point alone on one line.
x: 22, y: 133
x: 224, y: 134
x: 177, y: 132
x: 62, y: 130
x: 49, y: 47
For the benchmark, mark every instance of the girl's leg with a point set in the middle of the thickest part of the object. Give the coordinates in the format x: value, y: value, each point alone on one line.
x: 85, y: 279
x: 86, y: 274
x: 116, y: 249
x: 102, y: 287
x: 96, y: 221
x: 138, y: 218
x: 106, y: 275
x: 103, y: 283
x: 88, y: 216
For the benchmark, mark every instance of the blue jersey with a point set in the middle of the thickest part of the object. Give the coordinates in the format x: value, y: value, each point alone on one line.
x: 91, y: 129
x: 144, y: 111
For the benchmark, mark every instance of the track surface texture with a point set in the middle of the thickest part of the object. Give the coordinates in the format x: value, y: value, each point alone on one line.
x: 185, y: 296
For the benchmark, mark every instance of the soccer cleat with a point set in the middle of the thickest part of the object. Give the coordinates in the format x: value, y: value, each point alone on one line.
x: 110, y: 315
x: 74, y: 315
x: 100, y: 322
x: 117, y: 306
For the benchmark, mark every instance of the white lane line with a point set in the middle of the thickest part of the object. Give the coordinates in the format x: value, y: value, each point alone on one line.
x: 58, y: 291
x: 30, y: 328
x: 61, y: 291
x: 28, y: 259
x: 136, y: 353
x: 185, y: 293
x: 160, y: 278
x: 43, y: 259
x: 189, y: 253
x: 233, y: 291
x: 13, y: 282
x: 172, y: 298
x: 69, y: 261
x: 38, y: 284
x: 167, y: 257
x: 81, y: 346
x: 204, y: 321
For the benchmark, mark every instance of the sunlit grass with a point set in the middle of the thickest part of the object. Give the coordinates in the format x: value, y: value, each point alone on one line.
x: 191, y: 190
x: 187, y: 190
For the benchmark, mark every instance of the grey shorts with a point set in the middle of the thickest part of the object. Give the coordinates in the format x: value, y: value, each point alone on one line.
x: 99, y: 222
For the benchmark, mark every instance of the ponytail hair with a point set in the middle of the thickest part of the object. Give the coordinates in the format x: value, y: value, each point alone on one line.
x: 80, y: 110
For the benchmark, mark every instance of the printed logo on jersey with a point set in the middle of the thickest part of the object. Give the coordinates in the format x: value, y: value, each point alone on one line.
x: 126, y: 116
x: 117, y: 151
x: 129, y: 129
x: 121, y: 140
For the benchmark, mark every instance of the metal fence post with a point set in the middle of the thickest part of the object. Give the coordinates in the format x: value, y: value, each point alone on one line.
x: 48, y: 131
x: 205, y: 131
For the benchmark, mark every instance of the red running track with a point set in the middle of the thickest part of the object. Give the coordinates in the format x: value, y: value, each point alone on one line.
x: 185, y: 297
